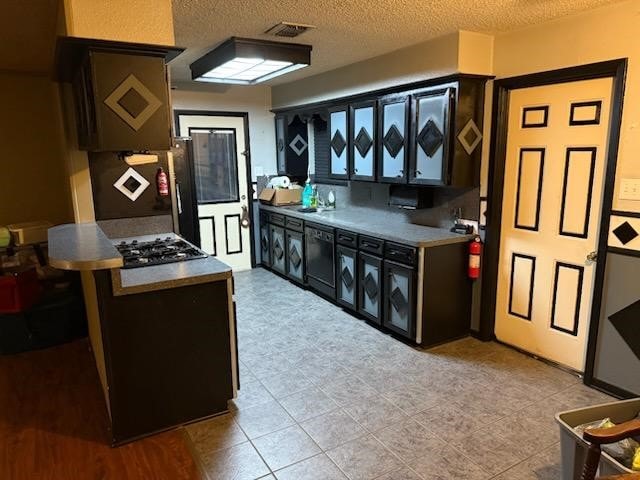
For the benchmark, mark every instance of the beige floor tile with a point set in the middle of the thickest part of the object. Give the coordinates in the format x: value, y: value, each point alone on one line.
x: 348, y: 390
x: 402, y: 473
x: 307, y: 404
x: 216, y: 434
x: 363, y: 459
x: 285, y: 447
x: 284, y: 384
x: 319, y: 467
x: 450, y: 465
x: 375, y: 412
x: 240, y: 462
x: 409, y: 440
x: 263, y: 419
x: 333, y: 429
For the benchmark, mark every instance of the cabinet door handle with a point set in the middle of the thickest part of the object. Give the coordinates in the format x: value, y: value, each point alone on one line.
x: 418, y: 172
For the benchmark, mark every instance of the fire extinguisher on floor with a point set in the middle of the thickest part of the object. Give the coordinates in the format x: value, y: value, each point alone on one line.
x: 475, y: 251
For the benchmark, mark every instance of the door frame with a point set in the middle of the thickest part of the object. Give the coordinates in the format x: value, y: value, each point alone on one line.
x: 616, y: 69
x: 247, y: 159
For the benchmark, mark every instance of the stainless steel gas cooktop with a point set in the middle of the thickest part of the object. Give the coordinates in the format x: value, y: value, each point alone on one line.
x: 157, y: 252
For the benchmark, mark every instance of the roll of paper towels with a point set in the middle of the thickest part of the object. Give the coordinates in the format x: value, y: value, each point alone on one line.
x: 279, y: 182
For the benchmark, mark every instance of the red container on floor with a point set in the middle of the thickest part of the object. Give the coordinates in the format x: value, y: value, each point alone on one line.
x: 19, y: 289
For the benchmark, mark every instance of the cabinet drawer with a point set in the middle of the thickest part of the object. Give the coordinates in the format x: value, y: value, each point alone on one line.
x: 276, y: 219
x: 264, y: 217
x: 294, y: 224
x: 349, y: 239
x: 371, y: 245
x: 401, y: 253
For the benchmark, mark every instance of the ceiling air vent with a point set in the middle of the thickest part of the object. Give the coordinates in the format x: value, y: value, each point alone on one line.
x: 290, y: 30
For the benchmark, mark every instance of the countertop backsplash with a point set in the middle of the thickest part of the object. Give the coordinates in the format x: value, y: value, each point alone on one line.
x: 376, y: 196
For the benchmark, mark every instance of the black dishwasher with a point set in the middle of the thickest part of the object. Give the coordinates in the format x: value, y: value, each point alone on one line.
x: 320, y: 250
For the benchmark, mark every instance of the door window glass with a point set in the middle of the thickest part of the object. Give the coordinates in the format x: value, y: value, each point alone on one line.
x: 216, y: 165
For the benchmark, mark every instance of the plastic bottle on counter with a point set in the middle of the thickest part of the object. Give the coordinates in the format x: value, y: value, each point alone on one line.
x: 307, y: 194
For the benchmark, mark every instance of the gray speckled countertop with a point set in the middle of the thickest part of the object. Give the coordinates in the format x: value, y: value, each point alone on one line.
x: 374, y: 222
x: 158, y: 277
x: 81, y: 246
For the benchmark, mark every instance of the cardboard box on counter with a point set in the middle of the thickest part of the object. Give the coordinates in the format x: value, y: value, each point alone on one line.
x: 281, y: 196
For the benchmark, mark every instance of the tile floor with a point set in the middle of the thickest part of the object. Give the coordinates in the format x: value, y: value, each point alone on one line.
x: 326, y: 397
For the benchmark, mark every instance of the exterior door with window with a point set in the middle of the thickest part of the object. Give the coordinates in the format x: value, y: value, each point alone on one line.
x: 221, y: 185
x: 553, y: 187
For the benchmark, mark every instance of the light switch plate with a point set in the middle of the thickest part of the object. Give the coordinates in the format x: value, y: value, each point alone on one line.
x: 629, y: 189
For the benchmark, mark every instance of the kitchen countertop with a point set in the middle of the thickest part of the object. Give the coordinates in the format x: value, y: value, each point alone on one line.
x: 170, y: 275
x: 84, y: 246
x: 369, y: 221
x: 81, y: 246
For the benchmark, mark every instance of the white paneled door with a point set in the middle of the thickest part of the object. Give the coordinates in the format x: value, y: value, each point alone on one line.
x: 553, y: 185
x: 221, y: 186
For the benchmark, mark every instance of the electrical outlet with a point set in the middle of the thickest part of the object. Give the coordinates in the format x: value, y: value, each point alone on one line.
x: 629, y: 189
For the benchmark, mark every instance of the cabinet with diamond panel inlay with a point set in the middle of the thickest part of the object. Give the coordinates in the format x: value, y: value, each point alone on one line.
x: 338, y: 147
x: 121, y: 94
x: 362, y: 153
x: 431, y: 112
x: 399, y: 298
x: 295, y: 256
x: 370, y: 287
x: 347, y: 273
x: 393, y: 138
x: 292, y: 146
x: 265, y: 241
x: 278, y: 250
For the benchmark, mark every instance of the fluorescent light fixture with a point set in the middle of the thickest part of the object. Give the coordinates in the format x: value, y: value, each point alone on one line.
x: 247, y: 62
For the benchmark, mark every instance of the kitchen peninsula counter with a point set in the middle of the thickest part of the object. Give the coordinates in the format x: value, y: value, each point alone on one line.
x: 84, y: 246
x: 163, y: 336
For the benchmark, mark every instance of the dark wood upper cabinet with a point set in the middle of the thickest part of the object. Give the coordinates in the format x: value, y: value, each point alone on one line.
x: 393, y: 138
x: 121, y: 93
x: 292, y: 146
x: 362, y: 142
x: 339, y: 142
x: 430, y: 136
x: 426, y: 133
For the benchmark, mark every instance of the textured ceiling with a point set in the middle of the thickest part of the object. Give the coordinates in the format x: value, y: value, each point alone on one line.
x: 352, y: 30
x: 28, y: 35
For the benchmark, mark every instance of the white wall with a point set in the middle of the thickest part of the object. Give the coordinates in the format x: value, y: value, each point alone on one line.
x: 254, y: 100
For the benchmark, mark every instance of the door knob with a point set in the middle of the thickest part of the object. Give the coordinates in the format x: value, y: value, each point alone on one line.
x: 593, y: 256
x: 244, y: 218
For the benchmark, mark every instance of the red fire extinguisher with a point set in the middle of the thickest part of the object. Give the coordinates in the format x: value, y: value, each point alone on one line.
x: 475, y: 250
x: 162, y: 183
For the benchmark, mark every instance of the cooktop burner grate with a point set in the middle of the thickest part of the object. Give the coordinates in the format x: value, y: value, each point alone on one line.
x: 157, y: 252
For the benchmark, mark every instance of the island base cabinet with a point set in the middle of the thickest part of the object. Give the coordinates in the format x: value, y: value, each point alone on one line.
x: 346, y: 271
x: 167, y: 355
x: 278, y: 252
x: 295, y: 256
x: 399, y: 299
x: 370, y: 287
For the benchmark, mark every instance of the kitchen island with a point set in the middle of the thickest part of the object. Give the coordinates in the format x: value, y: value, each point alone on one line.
x: 163, y: 336
x: 410, y: 280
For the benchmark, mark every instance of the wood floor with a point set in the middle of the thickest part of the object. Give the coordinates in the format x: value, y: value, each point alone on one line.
x: 53, y: 425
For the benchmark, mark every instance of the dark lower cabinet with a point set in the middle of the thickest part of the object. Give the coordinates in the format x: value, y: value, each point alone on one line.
x: 370, y: 287
x: 265, y: 244
x: 295, y: 256
x: 399, y: 299
x: 347, y: 277
x: 278, y: 252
